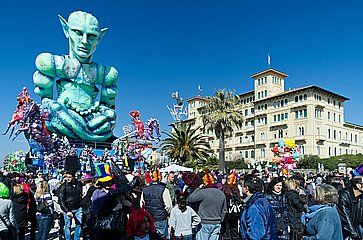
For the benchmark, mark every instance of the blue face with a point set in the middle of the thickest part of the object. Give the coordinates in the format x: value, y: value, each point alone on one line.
x: 84, y: 38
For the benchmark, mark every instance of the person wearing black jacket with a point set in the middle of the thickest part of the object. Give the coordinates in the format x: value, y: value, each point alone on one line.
x: 70, y: 197
x: 296, y: 207
x: 20, y: 202
x: 350, y: 209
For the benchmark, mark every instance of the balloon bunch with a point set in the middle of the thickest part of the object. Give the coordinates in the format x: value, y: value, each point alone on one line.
x: 286, y: 153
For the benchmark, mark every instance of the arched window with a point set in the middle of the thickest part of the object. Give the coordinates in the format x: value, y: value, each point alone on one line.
x: 305, y: 97
x: 296, y: 99
x: 246, y: 154
x: 252, y: 153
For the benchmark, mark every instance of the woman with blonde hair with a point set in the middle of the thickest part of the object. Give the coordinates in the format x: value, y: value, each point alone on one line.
x: 296, y: 207
x: 44, y: 209
x: 323, y: 220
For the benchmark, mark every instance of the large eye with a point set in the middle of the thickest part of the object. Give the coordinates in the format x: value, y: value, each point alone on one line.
x: 79, y: 33
x: 92, y: 36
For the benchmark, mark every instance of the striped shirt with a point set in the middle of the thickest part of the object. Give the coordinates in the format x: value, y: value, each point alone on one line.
x: 46, y: 198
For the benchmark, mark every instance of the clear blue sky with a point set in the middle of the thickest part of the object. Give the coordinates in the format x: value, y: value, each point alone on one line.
x: 159, y: 46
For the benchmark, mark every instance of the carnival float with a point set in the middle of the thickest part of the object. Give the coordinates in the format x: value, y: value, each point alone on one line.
x: 76, y: 117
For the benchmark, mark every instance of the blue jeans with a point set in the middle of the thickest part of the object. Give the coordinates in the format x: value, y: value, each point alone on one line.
x: 209, y: 232
x: 77, y: 215
x: 162, y: 228
x: 44, y: 224
x: 186, y: 237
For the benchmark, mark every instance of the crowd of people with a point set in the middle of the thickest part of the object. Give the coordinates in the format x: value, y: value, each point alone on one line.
x: 181, y: 206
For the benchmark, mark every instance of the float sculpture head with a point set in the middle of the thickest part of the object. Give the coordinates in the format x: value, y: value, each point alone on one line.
x: 83, y: 33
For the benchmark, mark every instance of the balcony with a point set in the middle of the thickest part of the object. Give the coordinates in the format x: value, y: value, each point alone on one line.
x: 344, y: 142
x: 300, y: 138
x: 320, y: 138
x: 261, y: 142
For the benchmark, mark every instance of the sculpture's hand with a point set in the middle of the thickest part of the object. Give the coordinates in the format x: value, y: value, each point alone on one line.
x: 43, y: 85
x: 109, y: 87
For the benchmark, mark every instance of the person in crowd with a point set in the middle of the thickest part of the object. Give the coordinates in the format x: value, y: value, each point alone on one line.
x: 40, y: 177
x: 103, y: 203
x: 230, y: 226
x: 157, y: 201
x: 276, y: 197
x: 87, y: 192
x: 323, y: 221
x: 350, y: 208
x: 258, y: 220
x: 296, y: 207
x: 45, y: 209
x: 141, y: 226
x: 212, y: 208
x: 70, y: 197
x: 6, y: 179
x: 183, y: 219
x: 7, y: 216
x: 191, y: 182
x: 170, y: 186
x: 32, y: 209
x: 20, y: 202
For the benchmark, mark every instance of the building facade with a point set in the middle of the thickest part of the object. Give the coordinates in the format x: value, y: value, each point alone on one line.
x: 311, y: 115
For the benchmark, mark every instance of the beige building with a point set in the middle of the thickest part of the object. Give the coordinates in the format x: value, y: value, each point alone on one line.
x: 311, y: 115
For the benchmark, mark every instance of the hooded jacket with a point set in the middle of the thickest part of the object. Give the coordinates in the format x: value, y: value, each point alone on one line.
x: 258, y: 219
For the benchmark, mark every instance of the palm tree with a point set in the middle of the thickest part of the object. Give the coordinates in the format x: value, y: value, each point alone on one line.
x: 222, y: 116
x: 184, y: 143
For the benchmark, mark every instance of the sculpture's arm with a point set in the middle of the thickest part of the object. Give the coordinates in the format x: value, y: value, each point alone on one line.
x: 109, y: 87
x: 49, y: 67
x: 44, y: 76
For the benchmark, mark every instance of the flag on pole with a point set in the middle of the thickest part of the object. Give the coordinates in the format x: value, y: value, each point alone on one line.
x: 268, y: 59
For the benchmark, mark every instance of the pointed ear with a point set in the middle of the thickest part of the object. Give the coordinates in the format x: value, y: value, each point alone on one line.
x: 102, y: 32
x: 64, y: 25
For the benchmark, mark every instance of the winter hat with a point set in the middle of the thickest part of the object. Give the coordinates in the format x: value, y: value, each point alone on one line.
x: 4, y: 191
x: 87, y: 177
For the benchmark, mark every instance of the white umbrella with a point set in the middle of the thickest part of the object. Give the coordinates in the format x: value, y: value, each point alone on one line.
x: 176, y: 168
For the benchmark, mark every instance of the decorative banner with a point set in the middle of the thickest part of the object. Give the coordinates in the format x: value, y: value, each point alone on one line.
x: 286, y: 153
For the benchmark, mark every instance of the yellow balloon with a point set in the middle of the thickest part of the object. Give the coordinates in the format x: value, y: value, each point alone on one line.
x: 290, y: 143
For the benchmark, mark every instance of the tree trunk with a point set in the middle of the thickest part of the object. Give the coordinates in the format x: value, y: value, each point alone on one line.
x: 222, y: 162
